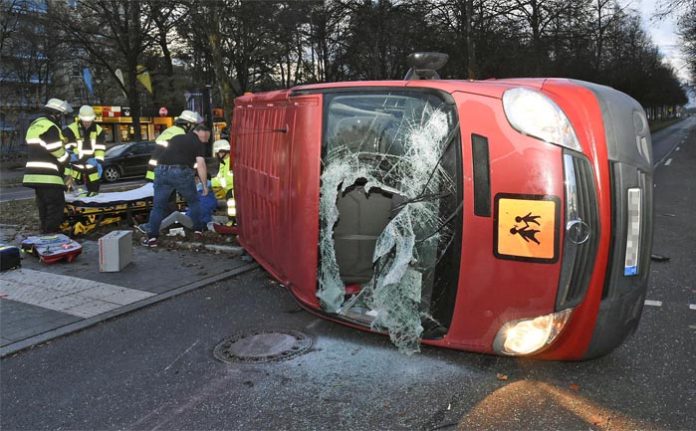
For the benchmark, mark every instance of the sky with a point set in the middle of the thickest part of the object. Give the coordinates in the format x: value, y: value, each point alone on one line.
x: 663, y: 34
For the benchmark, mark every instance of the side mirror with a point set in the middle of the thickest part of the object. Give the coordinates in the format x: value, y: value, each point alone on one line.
x: 424, y: 65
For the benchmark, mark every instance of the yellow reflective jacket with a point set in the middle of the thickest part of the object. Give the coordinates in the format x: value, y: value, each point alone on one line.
x: 85, y: 147
x: 224, y: 180
x: 47, y: 158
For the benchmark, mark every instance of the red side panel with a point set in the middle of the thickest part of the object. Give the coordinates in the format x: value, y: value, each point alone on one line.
x: 301, y: 200
x: 261, y: 149
x: 276, y: 165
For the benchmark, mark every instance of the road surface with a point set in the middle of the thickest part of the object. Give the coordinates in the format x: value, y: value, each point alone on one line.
x: 155, y: 370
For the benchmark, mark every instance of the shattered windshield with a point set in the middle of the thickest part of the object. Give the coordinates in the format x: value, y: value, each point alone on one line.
x: 390, y: 212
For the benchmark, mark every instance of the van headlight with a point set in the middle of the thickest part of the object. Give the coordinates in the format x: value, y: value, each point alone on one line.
x: 527, y: 336
x: 533, y: 113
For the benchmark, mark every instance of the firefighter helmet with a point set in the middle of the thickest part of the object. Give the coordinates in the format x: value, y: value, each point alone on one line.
x: 87, y: 113
x: 189, y: 117
x: 59, y: 106
x: 221, y: 145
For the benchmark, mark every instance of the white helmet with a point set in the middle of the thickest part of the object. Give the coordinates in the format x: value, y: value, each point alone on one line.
x: 58, y: 105
x: 87, y: 113
x: 189, y: 117
x: 221, y: 145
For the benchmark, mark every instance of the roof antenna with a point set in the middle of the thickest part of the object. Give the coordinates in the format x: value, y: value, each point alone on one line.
x: 424, y: 65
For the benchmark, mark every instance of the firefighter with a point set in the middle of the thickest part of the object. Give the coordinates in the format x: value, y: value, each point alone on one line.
x: 183, y: 124
x: 223, y: 183
x: 86, y: 143
x: 47, y: 163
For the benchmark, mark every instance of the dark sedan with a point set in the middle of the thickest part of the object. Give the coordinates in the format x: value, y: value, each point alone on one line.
x: 127, y: 160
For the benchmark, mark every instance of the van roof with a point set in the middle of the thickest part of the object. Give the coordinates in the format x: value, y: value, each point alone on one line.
x: 489, y: 87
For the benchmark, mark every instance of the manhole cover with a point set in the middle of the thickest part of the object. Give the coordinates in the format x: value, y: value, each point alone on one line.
x: 262, y: 346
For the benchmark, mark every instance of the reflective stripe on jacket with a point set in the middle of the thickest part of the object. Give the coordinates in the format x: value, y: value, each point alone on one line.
x: 224, y: 178
x: 83, y: 146
x: 162, y: 142
x: 47, y: 158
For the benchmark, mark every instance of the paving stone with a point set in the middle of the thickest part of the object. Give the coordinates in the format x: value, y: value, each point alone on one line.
x: 19, y: 321
x: 72, y: 295
x: 27, y: 293
x: 116, y: 295
x: 91, y: 307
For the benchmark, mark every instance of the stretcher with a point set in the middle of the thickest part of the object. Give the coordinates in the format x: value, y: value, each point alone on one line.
x: 52, y: 248
x: 83, y: 214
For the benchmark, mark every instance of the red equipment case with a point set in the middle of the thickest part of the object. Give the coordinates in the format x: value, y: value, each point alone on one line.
x: 52, y: 248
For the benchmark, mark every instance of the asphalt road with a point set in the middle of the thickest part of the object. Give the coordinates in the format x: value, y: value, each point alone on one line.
x: 19, y: 192
x: 155, y: 370
x: 666, y: 140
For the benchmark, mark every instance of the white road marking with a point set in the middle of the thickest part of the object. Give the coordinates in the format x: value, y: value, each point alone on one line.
x: 653, y: 303
x: 71, y: 295
x: 182, y: 354
x: 692, y: 306
x: 668, y: 162
x: 312, y: 324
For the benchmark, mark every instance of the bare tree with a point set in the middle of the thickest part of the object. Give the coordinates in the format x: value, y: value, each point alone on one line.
x: 666, y: 8
x: 325, y: 36
x: 687, y: 32
x: 26, y: 54
x: 457, y: 15
x: 539, y: 16
x: 243, y: 45
x: 8, y: 19
x: 204, y: 28
x: 113, y: 35
x: 165, y: 16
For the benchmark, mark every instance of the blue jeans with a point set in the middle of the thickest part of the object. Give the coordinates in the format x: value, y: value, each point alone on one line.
x: 169, y: 178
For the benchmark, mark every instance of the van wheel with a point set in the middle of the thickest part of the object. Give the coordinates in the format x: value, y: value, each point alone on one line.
x: 111, y: 174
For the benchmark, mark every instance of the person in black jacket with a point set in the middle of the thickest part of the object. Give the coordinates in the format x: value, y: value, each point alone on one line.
x: 177, y: 164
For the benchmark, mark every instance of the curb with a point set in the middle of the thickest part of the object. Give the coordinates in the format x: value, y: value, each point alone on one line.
x: 11, y: 183
x: 232, y: 249
x: 83, y: 324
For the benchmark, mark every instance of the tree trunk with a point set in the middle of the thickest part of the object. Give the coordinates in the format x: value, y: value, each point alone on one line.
x: 134, y: 100
x: 536, y: 38
x: 228, y: 90
x: 134, y: 39
x: 169, y: 68
x: 470, y: 48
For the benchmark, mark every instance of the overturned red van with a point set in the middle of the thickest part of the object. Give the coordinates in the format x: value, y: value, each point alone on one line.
x: 509, y: 216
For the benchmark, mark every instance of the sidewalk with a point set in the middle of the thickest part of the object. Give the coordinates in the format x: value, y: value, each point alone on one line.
x: 40, y: 302
x: 11, y: 173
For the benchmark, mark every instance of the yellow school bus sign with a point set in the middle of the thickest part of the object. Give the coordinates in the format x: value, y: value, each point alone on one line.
x: 527, y: 227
